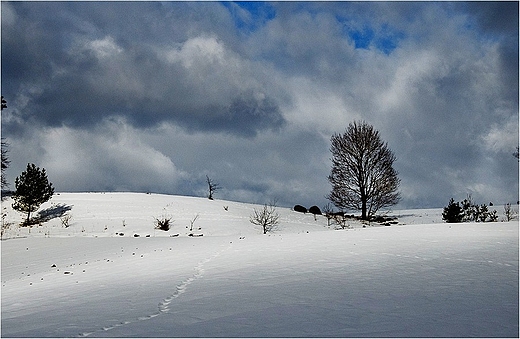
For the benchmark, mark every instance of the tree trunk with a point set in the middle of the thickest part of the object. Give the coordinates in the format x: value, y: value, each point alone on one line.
x: 363, y: 204
x: 28, y: 218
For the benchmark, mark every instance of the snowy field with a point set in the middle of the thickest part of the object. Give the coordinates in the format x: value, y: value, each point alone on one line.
x: 418, y: 278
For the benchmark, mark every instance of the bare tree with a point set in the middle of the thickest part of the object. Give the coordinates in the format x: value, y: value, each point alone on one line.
x: 212, y: 187
x: 362, y: 175
x: 5, y: 150
x: 5, y: 163
x: 267, y: 217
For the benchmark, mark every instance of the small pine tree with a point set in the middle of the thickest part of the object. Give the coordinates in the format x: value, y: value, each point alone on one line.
x: 483, y: 213
x: 470, y: 211
x: 32, y: 189
x: 509, y: 212
x: 453, y: 212
x: 493, y: 217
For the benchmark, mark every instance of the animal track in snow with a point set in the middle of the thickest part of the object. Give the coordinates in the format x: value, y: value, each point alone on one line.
x: 164, y: 305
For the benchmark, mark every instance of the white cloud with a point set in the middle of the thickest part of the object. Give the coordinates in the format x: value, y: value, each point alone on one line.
x: 104, y: 48
x: 502, y: 137
x: 79, y: 46
x: 211, y: 70
x: 412, y: 69
x: 317, y: 108
x: 8, y: 14
x: 196, y: 51
x: 110, y: 158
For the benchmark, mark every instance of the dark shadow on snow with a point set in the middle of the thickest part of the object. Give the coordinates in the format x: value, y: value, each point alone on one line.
x: 52, y: 212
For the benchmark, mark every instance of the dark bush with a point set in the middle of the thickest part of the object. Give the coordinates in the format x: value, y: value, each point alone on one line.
x: 163, y: 223
x: 300, y: 208
x: 453, y: 212
x: 382, y: 219
x: 315, y: 210
x: 467, y: 210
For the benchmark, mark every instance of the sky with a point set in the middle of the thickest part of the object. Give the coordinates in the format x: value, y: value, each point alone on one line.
x: 250, y: 93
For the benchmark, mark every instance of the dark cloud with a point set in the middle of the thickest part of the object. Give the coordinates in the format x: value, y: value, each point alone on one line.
x: 102, y: 65
x: 498, y: 21
x: 495, y: 17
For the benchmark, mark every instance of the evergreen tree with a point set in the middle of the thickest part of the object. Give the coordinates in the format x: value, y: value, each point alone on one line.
x: 453, y: 212
x: 32, y: 189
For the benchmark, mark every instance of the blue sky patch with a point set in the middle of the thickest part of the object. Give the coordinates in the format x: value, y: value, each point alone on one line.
x: 362, y: 38
x: 384, y: 38
x: 250, y: 15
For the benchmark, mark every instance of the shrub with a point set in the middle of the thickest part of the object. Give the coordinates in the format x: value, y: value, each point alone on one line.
x: 192, y: 221
x: 315, y: 210
x: 341, y: 220
x: 66, y: 220
x: 300, y: 208
x: 268, y: 217
x: 468, y: 211
x: 328, y: 213
x: 163, y: 224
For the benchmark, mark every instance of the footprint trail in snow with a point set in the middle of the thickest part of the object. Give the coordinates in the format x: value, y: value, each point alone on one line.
x: 164, y: 305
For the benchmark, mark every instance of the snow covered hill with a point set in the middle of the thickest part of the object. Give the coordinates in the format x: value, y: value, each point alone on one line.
x: 110, y: 214
x: 96, y: 278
